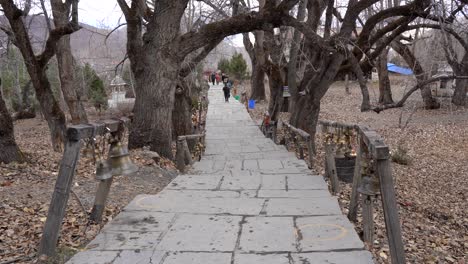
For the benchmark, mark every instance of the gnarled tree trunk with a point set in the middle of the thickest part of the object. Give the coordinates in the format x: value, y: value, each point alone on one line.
x: 9, y: 149
x: 461, y: 88
x: 429, y: 101
x: 385, y: 90
x: 152, y: 123
x: 182, y: 113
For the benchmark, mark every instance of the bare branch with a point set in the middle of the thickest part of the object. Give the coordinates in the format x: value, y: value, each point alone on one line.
x: 418, y: 86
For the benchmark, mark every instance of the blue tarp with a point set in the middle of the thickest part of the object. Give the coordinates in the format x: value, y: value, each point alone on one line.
x: 397, y: 69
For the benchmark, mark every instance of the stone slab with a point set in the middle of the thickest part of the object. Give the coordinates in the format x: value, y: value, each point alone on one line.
x: 303, y: 207
x: 306, y: 182
x: 168, y: 193
x: 140, y: 221
x: 120, y: 240
x: 251, y: 164
x: 93, y: 257
x: 139, y: 257
x: 261, y: 259
x: 351, y: 257
x: 202, y: 233
x: 267, y: 234
x: 195, y: 182
x: 234, y: 206
x: 269, y: 164
x: 197, y: 258
x: 273, y: 182
x: 292, y: 193
x: 327, y: 233
x: 251, y: 182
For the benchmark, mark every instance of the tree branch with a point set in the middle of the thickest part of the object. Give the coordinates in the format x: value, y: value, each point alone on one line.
x: 418, y: 86
x: 189, y: 66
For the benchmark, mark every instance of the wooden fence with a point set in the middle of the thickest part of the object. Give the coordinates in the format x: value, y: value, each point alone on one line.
x: 186, y: 144
x: 75, y: 135
x: 372, y: 173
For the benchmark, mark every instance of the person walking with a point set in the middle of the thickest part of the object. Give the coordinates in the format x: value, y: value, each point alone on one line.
x: 213, y: 77
x: 227, y: 93
x: 223, y: 77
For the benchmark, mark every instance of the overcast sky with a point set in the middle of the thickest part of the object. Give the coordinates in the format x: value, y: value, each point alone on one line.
x: 100, y: 13
x: 107, y: 14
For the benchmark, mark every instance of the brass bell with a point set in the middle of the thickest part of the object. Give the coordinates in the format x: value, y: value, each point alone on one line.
x: 103, y: 170
x: 369, y: 185
x: 120, y: 160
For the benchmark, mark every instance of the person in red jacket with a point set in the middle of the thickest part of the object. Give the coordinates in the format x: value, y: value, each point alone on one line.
x: 218, y: 78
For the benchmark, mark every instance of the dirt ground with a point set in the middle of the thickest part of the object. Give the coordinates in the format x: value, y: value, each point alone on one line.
x: 432, y: 189
x: 26, y: 190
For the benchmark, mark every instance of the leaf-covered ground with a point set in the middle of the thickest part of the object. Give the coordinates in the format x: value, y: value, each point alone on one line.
x: 431, y: 190
x: 26, y: 190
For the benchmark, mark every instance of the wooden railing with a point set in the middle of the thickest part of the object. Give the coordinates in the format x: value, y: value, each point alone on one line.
x: 75, y: 135
x: 300, y: 139
x: 372, y: 172
x: 184, y: 150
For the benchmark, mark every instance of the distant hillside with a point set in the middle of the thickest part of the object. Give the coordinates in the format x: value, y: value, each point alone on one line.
x: 88, y: 44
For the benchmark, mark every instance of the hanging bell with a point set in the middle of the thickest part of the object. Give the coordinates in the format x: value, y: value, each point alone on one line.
x: 120, y: 160
x: 103, y: 170
x: 369, y: 185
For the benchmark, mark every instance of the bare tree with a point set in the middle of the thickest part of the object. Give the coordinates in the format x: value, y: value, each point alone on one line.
x: 156, y: 58
x: 61, y: 12
x: 37, y: 63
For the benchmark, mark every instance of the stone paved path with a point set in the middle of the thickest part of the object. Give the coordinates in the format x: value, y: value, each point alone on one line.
x: 248, y: 201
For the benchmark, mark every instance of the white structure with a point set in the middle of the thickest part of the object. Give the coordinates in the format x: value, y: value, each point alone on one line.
x: 119, y: 89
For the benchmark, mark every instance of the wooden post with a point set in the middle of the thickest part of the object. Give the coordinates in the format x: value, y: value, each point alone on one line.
x: 392, y: 222
x: 331, y: 167
x: 100, y: 200
x: 310, y: 149
x: 353, y: 204
x: 180, y: 155
x: 301, y: 151
x: 187, y: 154
x: 60, y: 197
x: 274, y: 132
x: 286, y: 138
x: 368, y: 221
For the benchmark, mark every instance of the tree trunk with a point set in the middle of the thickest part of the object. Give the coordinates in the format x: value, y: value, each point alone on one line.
x: 182, y: 113
x: 461, y: 88
x: 154, y: 103
x: 385, y: 91
x: 305, y: 116
x: 429, y: 101
x: 9, y: 150
x: 459, y: 95
x: 50, y: 108
x: 276, y: 76
x: 258, y: 79
x: 67, y: 80
x: 66, y: 65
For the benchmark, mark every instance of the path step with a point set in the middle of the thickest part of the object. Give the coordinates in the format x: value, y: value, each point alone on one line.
x: 248, y: 201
